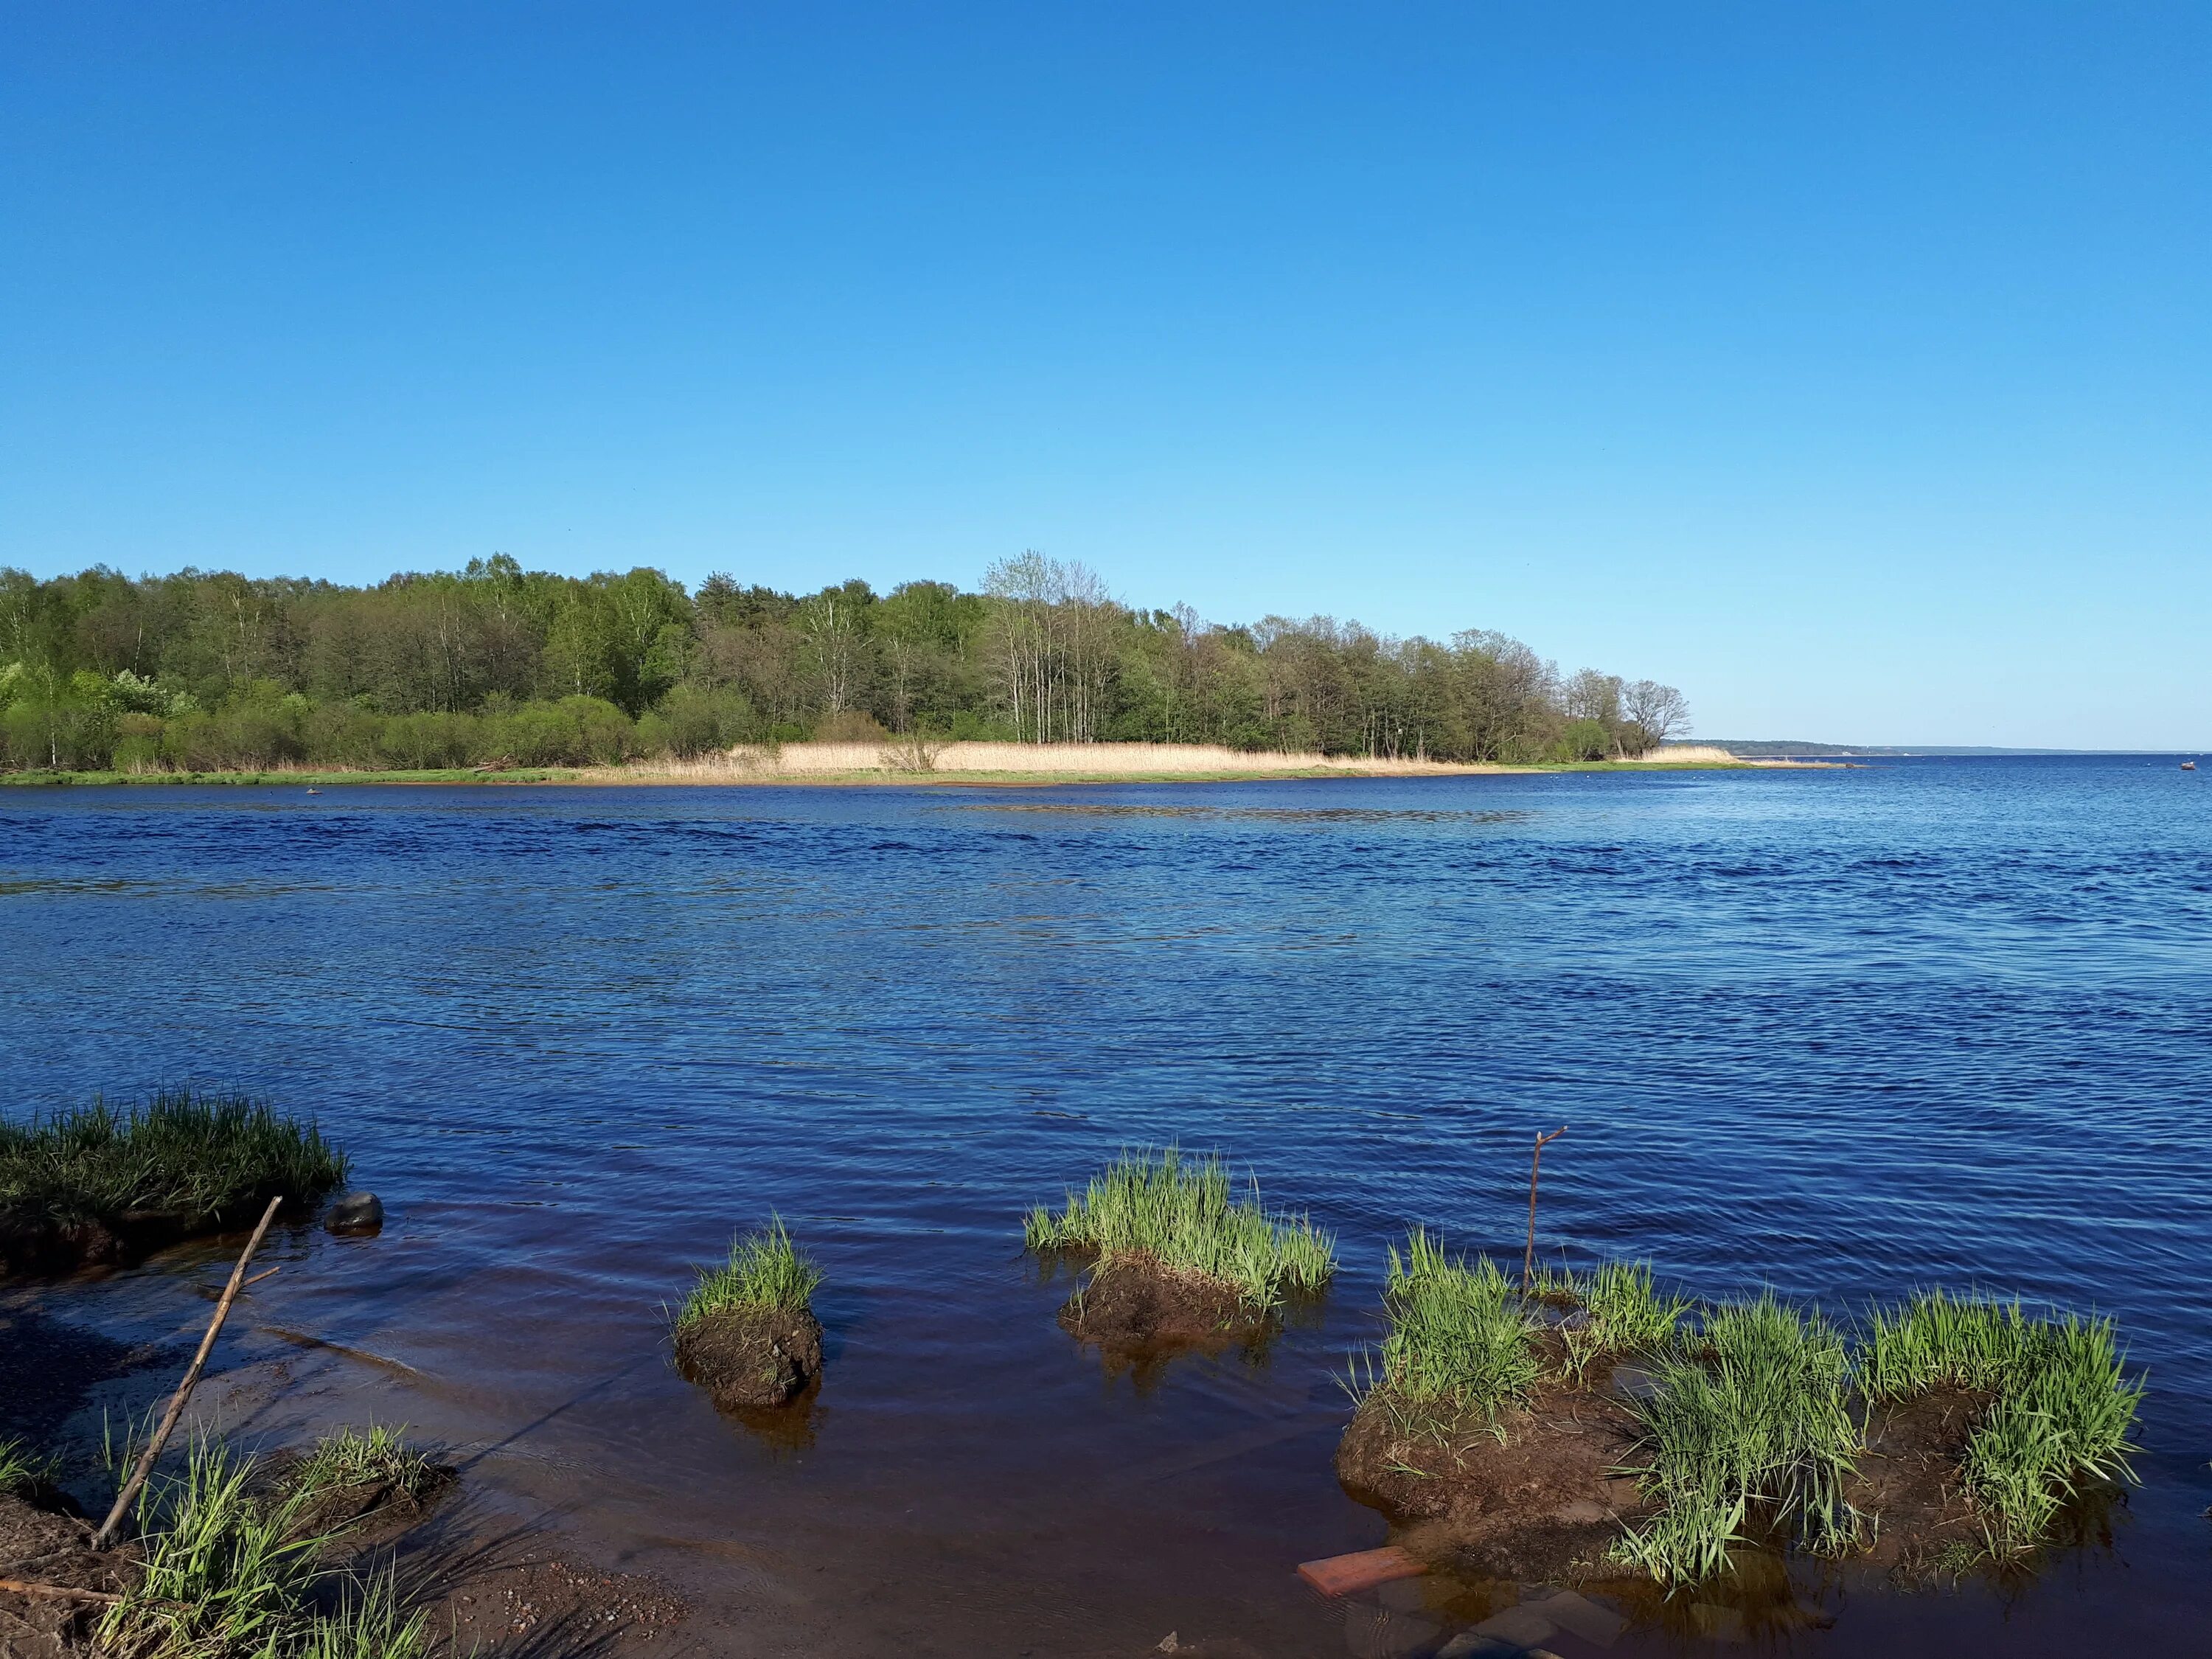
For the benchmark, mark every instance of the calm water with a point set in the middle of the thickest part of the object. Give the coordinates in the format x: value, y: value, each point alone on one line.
x: 1848, y: 1031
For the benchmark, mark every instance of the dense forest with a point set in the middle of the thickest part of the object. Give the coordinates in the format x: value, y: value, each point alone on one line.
x: 210, y: 670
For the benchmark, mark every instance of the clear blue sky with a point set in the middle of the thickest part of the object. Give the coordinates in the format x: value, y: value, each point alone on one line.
x: 1845, y: 366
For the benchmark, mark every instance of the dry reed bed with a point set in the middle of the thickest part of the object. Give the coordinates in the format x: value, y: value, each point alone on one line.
x: 903, y: 756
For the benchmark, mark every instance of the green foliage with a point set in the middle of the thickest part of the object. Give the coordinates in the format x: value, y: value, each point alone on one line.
x: 208, y: 671
x: 1936, y: 1341
x: 1760, y: 1419
x: 348, y: 1457
x: 1585, y: 740
x: 207, y: 1158
x: 2061, y: 1410
x: 231, y: 1574
x: 1459, y: 1333
x: 765, y: 1270
x: 1181, y: 1211
x: 1623, y: 1313
x: 21, y: 1470
x: 369, y: 1622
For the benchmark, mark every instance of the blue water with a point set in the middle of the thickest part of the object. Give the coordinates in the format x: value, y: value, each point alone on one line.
x: 1845, y: 1031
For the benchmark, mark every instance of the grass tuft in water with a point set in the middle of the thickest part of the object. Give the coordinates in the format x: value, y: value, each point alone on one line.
x: 207, y: 1158
x: 2061, y: 1410
x: 1181, y: 1211
x: 1759, y: 1418
x: 765, y: 1270
x: 349, y: 1457
x: 1459, y: 1333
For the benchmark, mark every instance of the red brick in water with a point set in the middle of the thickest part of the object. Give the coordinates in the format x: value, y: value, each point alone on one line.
x: 1342, y: 1575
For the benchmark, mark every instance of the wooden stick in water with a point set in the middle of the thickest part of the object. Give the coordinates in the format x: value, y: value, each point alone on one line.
x: 105, y: 1535
x: 1535, y: 1163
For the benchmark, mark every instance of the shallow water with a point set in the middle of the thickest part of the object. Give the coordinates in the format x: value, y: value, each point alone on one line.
x: 1849, y: 1031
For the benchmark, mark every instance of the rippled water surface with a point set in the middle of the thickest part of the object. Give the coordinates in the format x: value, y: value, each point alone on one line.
x: 1845, y: 1031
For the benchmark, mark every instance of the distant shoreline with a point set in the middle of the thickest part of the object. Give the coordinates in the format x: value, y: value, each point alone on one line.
x: 954, y: 765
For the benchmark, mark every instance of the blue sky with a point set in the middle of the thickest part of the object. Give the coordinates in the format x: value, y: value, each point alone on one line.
x: 1846, y: 366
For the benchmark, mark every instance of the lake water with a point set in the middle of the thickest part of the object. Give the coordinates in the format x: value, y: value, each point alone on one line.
x: 1845, y: 1031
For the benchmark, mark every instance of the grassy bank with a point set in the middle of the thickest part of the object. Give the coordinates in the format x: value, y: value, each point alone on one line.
x: 233, y: 1558
x: 91, y: 1183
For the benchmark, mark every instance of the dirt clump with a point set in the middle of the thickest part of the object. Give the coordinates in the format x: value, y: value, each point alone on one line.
x: 1910, y: 1477
x: 36, y: 1245
x: 751, y: 1357
x: 1135, y: 1305
x: 44, y: 1544
x: 1537, y: 1499
x: 360, y: 1515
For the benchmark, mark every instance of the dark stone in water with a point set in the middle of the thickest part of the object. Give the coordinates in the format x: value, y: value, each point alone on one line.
x: 750, y: 1356
x: 356, y: 1212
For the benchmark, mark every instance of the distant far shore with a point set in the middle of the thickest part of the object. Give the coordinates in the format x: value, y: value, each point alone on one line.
x: 903, y: 761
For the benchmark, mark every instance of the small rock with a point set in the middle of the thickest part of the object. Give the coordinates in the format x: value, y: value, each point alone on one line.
x: 1523, y: 1627
x: 1572, y: 1611
x: 1581, y: 1511
x: 356, y: 1212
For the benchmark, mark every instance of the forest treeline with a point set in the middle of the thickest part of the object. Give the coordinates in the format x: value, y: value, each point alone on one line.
x: 209, y: 671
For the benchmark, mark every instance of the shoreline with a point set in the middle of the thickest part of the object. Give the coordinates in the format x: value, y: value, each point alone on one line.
x: 695, y: 775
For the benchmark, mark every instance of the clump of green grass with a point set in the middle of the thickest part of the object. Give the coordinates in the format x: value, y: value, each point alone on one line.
x: 1760, y: 1419
x: 223, y: 1573
x: 1459, y: 1333
x: 209, y: 1159
x: 1623, y: 1313
x: 1181, y: 1212
x: 231, y: 1574
x: 349, y: 1457
x: 370, y: 1623
x: 21, y: 1470
x: 1937, y: 1341
x: 765, y: 1270
x: 2062, y: 1409
x: 1561, y: 1286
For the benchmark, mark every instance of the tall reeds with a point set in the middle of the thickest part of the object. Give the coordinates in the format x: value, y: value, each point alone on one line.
x: 1084, y: 759
x: 1183, y: 1212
